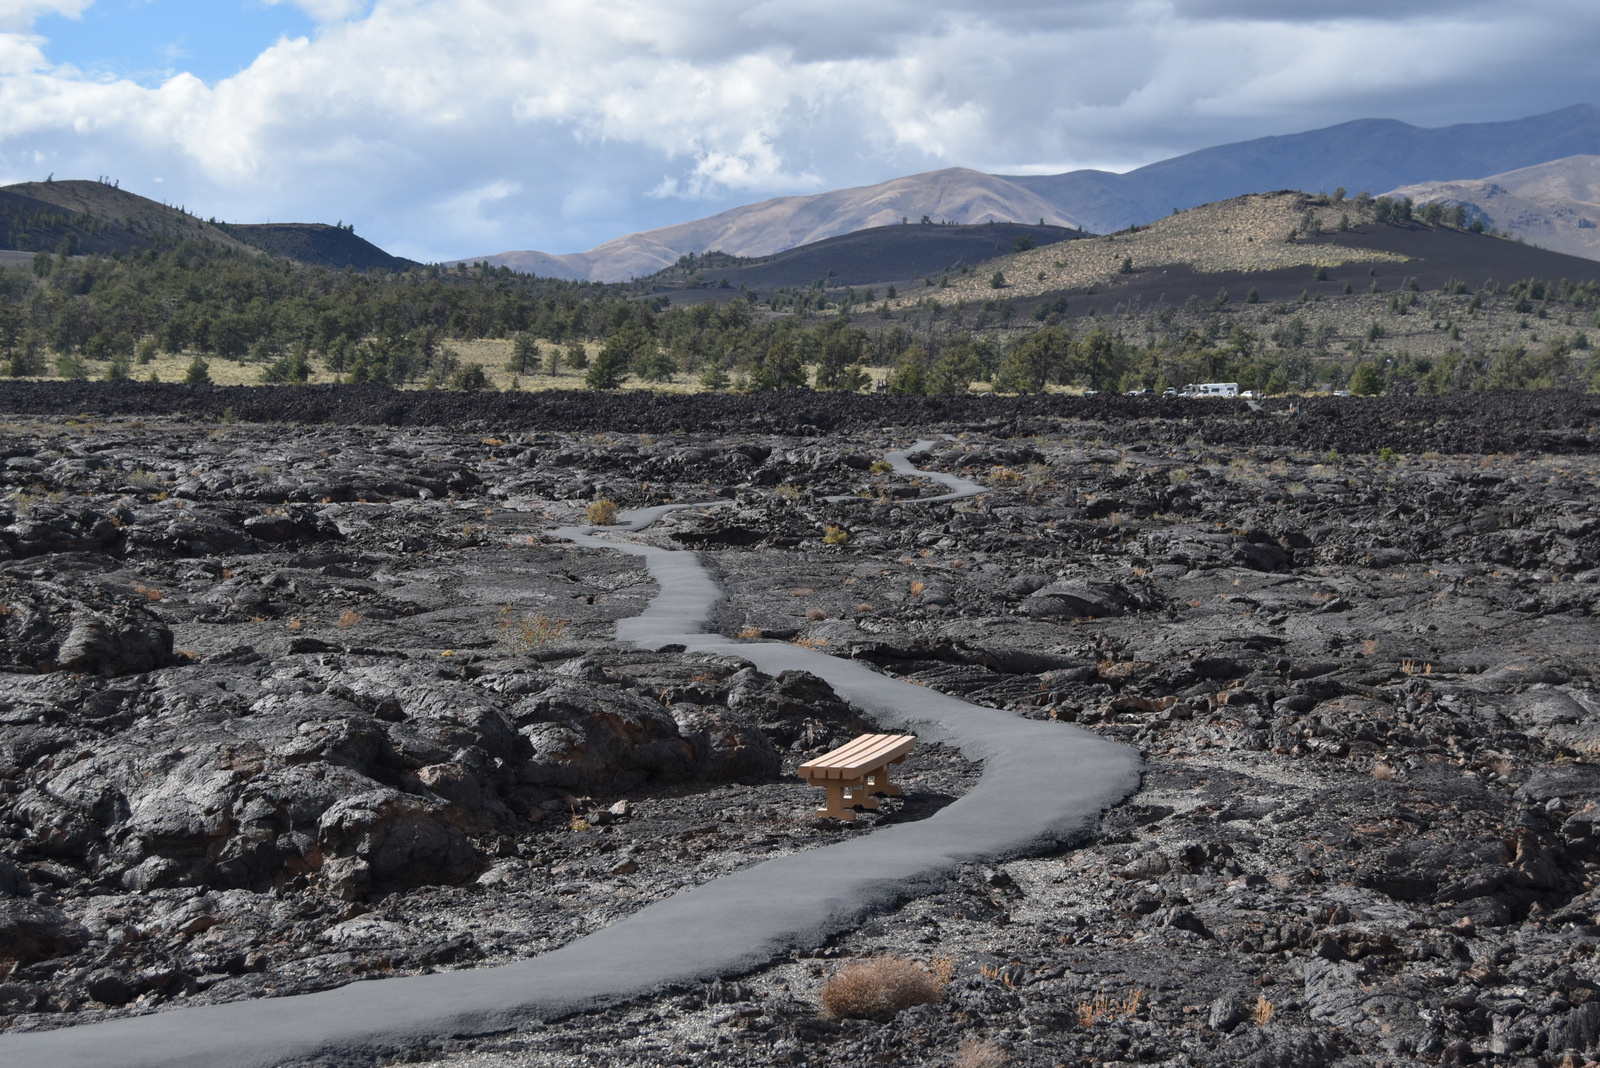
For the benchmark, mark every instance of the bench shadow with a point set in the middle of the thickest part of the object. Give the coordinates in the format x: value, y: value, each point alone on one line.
x: 914, y: 805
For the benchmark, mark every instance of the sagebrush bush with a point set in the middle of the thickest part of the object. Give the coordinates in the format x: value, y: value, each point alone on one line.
x: 980, y: 1053
x: 602, y: 513
x: 877, y: 988
x: 524, y: 634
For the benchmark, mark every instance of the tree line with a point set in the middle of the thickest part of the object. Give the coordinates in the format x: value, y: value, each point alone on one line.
x: 101, y: 316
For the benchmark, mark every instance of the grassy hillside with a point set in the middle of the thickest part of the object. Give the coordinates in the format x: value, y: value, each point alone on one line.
x: 1251, y: 233
x: 1289, y: 289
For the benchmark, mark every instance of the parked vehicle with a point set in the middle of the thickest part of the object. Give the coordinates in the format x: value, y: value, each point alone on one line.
x: 1211, y: 389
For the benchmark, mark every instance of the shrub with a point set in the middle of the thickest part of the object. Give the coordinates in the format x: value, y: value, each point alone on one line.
x: 469, y: 377
x: 714, y: 378
x: 1365, y: 380
x: 294, y: 367
x: 601, y: 513
x: 198, y: 373
x: 524, y: 634
x: 980, y: 1053
x: 349, y: 617
x: 877, y: 988
x: 836, y: 535
x: 881, y: 467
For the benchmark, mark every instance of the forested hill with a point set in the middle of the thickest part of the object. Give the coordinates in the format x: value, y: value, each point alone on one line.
x: 318, y: 243
x: 97, y: 218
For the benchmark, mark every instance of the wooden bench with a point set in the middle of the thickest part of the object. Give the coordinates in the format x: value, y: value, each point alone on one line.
x: 855, y: 770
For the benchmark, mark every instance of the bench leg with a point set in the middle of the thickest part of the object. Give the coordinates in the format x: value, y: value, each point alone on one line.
x: 834, y: 806
x: 881, y: 783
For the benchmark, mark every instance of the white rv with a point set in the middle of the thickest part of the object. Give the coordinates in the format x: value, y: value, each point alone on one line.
x: 1211, y: 389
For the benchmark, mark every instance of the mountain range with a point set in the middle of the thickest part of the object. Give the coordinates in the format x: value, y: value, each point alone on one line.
x: 1366, y: 154
x: 1554, y: 205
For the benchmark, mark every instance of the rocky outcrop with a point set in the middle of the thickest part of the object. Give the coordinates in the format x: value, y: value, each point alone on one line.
x: 48, y: 626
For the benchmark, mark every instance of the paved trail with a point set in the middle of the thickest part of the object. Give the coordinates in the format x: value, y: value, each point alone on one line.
x: 1043, y: 784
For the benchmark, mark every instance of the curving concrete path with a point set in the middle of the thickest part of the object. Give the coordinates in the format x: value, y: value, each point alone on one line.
x: 1043, y: 784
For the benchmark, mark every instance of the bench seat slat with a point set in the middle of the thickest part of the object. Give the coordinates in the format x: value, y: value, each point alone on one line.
x: 846, y: 752
x: 862, y: 749
x: 858, y: 756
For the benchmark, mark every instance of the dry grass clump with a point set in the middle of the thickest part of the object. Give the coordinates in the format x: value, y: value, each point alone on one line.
x: 1105, y: 1007
x: 601, y: 513
x: 349, y: 617
x: 980, y: 1053
x: 879, y: 987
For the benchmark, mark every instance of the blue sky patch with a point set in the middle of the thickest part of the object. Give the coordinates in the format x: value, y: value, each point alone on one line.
x: 149, y: 41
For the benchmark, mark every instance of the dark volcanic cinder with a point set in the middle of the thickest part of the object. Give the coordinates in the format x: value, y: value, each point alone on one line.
x: 1551, y: 421
x: 284, y: 706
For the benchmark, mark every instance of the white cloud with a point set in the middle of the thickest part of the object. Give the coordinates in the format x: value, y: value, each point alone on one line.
x: 440, y: 124
x: 326, y: 10
x: 17, y: 16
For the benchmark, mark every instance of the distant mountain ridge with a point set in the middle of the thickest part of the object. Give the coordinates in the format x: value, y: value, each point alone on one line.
x: 953, y: 195
x: 1554, y: 205
x: 1372, y: 154
x: 93, y: 217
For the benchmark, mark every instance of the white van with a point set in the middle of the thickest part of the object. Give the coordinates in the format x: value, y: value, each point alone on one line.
x: 1211, y: 389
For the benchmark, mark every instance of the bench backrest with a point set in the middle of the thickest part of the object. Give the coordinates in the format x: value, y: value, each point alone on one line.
x: 860, y: 755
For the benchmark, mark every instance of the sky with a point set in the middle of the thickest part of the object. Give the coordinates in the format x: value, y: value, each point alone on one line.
x: 451, y: 128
